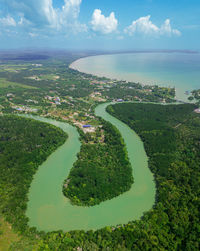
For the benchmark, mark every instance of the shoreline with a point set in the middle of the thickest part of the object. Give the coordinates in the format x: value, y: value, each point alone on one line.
x: 180, y: 93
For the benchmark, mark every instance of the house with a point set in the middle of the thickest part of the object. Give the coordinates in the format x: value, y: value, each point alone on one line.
x: 87, y: 126
x: 10, y: 95
x: 197, y: 110
x: 57, y: 99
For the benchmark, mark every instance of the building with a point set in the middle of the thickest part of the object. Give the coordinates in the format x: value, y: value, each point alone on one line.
x: 197, y: 110
x: 87, y: 126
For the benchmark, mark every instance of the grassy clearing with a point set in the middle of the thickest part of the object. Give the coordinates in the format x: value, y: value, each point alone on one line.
x: 7, y: 236
x: 5, y: 84
x: 14, y: 68
x: 49, y: 77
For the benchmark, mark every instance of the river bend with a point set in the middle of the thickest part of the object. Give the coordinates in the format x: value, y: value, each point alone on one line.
x: 49, y: 210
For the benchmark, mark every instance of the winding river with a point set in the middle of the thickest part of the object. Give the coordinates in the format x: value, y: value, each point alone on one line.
x: 49, y: 210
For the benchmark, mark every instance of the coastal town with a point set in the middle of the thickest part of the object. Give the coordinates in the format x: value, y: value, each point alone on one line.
x: 69, y: 96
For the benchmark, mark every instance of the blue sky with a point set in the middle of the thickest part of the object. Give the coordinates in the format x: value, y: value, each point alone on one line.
x: 105, y: 24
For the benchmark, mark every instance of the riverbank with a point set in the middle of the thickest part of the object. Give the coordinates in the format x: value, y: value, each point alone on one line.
x: 49, y: 210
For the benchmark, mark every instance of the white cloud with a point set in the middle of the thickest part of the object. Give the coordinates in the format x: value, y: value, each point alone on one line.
x: 68, y: 16
x: 167, y: 29
x: 145, y: 26
x: 49, y: 12
x: 41, y: 14
x: 103, y: 24
x: 71, y: 8
x: 7, y: 21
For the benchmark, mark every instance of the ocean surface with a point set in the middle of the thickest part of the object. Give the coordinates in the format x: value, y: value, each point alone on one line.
x: 179, y: 70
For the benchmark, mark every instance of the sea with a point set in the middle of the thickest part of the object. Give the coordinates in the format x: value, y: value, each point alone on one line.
x: 177, y: 69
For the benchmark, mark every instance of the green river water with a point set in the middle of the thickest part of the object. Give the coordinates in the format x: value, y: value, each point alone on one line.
x: 49, y: 210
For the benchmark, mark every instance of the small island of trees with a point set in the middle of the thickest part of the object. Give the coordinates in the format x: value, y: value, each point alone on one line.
x: 102, y: 170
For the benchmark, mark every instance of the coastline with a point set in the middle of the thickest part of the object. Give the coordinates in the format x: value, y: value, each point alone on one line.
x: 79, y: 65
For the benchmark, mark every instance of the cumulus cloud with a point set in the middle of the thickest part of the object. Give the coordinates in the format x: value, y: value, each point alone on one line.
x: 71, y: 9
x: 167, y: 29
x: 102, y: 24
x: 7, y: 21
x: 41, y: 13
x: 48, y: 12
x: 145, y: 26
x: 68, y: 16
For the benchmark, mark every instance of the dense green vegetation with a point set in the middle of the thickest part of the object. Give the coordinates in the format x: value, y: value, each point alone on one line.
x: 101, y: 172
x: 24, y: 145
x: 136, y: 92
x: 171, y: 135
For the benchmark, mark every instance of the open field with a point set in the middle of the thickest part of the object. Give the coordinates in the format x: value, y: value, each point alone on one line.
x: 7, y: 236
x: 4, y: 84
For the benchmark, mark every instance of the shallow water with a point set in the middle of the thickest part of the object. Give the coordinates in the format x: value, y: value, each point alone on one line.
x: 49, y: 210
x: 179, y: 70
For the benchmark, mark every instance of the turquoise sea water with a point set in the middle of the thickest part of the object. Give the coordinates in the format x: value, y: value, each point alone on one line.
x: 179, y: 70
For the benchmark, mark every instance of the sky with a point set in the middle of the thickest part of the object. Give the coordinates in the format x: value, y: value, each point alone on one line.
x: 100, y: 24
